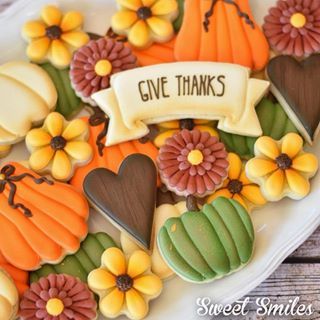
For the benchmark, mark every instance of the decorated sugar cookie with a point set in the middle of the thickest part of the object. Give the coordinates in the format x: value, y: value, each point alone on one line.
x: 58, y: 297
x: 282, y: 168
x: 59, y: 146
x: 80, y: 264
x: 9, y: 298
x: 125, y: 285
x: 28, y: 96
x: 93, y: 65
x: 55, y: 36
x: 145, y: 22
x: 238, y: 187
x: 40, y: 217
x: 193, y: 163
x: 208, y: 244
x: 162, y: 213
x: 223, y: 31
x: 292, y: 27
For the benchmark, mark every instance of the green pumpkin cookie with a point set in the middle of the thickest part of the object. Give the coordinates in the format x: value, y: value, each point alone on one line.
x: 274, y: 123
x: 80, y: 264
x: 68, y: 103
x: 178, y: 22
x: 201, y: 246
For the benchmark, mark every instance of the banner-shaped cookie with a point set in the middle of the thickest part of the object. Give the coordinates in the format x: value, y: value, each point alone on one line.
x: 198, y: 90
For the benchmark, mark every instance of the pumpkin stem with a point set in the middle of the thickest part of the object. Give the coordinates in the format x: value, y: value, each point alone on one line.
x: 241, y: 14
x: 192, y: 203
x: 7, y: 178
x: 186, y: 124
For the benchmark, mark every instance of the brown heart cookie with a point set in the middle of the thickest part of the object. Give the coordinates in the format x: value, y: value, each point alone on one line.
x: 296, y: 86
x: 127, y: 199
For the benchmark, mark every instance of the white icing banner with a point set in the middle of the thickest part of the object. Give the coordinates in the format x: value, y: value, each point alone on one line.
x: 197, y: 90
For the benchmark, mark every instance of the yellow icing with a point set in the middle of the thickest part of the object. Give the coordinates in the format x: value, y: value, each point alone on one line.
x: 54, y: 307
x: 114, y: 260
x: 101, y: 279
x: 138, y: 263
x: 2, y: 176
x: 103, y: 68
x: 195, y: 157
x: 110, y: 305
x: 298, y: 20
x: 137, y: 306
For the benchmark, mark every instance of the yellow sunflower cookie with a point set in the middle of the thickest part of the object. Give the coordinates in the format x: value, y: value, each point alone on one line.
x: 124, y: 285
x: 237, y: 186
x: 145, y: 21
x: 282, y: 168
x: 59, y: 146
x: 55, y: 36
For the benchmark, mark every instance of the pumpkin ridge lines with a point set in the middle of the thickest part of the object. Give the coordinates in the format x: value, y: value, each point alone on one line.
x: 64, y: 93
x: 91, y: 237
x: 80, y: 263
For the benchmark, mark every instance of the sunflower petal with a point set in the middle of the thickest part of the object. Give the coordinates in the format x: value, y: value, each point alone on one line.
x: 38, y: 49
x: 139, y: 34
x: 220, y: 193
x: 130, y: 4
x: 260, y: 167
x: 297, y: 183
x: 274, y: 185
x: 111, y: 304
x: 114, y: 260
x: 51, y: 15
x: 100, y: 279
x: 34, y: 29
x: 253, y: 194
x: 79, y: 150
x: 74, y: 129
x: 123, y: 20
x: 75, y: 39
x: 38, y: 138
x: 150, y: 285
x: 164, y: 7
x: 71, y: 21
x: 39, y: 159
x: 137, y: 306
x: 61, y: 166
x: 268, y: 147
x: 235, y: 166
x: 292, y: 144
x: 162, y: 28
x: 60, y: 55
x: 139, y: 262
x: 306, y: 162
x: 54, y: 124
x: 244, y: 179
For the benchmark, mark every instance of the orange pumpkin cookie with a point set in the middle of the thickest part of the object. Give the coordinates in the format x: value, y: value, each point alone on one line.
x: 108, y: 157
x: 44, y: 220
x: 223, y: 31
x: 282, y: 168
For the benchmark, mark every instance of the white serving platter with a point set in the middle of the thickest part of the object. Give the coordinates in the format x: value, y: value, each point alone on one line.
x: 280, y: 227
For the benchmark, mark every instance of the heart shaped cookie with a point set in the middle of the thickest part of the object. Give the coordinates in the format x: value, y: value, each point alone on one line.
x: 127, y: 199
x: 296, y: 86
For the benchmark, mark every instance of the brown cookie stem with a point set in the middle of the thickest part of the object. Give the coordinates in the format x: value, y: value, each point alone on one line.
x: 192, y: 203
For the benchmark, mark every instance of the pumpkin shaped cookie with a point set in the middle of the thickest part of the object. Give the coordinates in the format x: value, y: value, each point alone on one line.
x: 44, y: 221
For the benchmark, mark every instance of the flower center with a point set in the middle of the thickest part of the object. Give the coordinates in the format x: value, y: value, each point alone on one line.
x: 144, y: 13
x: 195, y: 157
x: 54, y: 307
x: 283, y: 161
x: 58, y: 143
x: 103, y: 67
x: 124, y: 282
x: 53, y: 32
x: 235, y: 186
x: 298, y: 20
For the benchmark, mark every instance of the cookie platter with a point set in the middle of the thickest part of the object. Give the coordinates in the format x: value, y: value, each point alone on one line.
x: 279, y: 227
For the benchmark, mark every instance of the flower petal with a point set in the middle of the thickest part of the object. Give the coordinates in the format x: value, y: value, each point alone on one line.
x: 238, y: 198
x: 150, y: 285
x: 137, y: 306
x: 139, y: 34
x: 54, y: 124
x: 123, y: 20
x: 61, y: 166
x: 220, y: 193
x: 268, y: 147
x: 71, y: 21
x: 274, y: 185
x: 75, y: 39
x: 292, y: 144
x: 114, y: 260
x: 130, y: 4
x: 244, y: 179
x: 79, y: 150
x: 139, y: 262
x: 38, y: 138
x: 297, y: 183
x: 112, y: 303
x: 74, y: 129
x: 164, y: 7
x: 41, y: 158
x: 253, y: 194
x: 38, y: 49
x: 257, y: 167
x: 160, y: 27
x: 60, y: 55
x: 100, y: 279
x: 51, y: 15
x: 235, y: 166
x: 34, y: 29
x: 306, y: 162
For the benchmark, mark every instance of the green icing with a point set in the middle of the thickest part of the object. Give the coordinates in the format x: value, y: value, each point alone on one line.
x: 178, y: 22
x: 68, y: 103
x: 79, y: 265
x: 274, y: 123
x: 201, y: 246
